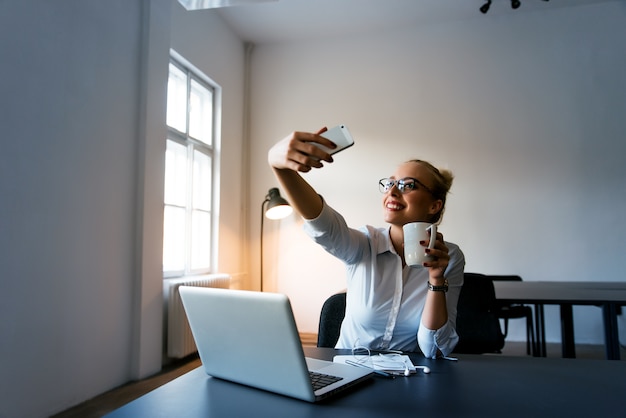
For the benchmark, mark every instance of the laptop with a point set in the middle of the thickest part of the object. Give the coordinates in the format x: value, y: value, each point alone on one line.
x: 251, y: 338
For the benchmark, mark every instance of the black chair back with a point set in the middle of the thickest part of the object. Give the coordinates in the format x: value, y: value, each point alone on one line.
x: 331, y: 317
x: 476, y: 323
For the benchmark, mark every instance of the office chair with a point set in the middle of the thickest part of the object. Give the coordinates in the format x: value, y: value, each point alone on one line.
x: 478, y: 328
x: 476, y: 323
x: 331, y: 317
x: 506, y: 311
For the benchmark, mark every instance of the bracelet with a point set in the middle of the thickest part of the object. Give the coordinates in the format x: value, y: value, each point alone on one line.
x: 443, y: 288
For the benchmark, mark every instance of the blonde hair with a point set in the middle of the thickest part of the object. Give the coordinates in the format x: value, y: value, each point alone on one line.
x: 442, y: 182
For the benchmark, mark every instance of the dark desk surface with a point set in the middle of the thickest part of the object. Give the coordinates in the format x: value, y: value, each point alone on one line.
x: 475, y: 386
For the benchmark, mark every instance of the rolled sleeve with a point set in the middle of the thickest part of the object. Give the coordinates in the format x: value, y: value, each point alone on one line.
x: 444, y: 339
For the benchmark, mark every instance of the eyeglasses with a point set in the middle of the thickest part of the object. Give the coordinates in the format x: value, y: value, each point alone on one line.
x: 405, y: 185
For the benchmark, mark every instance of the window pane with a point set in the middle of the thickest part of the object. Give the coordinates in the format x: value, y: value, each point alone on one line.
x: 173, y: 239
x: 175, y: 173
x: 200, y: 240
x: 200, y: 113
x: 201, y: 181
x: 177, y: 99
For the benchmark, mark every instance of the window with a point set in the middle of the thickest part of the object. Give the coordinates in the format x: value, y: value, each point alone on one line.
x: 188, y: 233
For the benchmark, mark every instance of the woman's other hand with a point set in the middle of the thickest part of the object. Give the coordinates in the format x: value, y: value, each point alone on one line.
x: 440, y: 258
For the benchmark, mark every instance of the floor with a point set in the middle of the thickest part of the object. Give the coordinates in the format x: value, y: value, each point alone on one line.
x: 109, y: 401
x: 118, y: 397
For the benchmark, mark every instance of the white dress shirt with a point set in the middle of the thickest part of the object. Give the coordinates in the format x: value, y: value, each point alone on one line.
x: 385, y: 301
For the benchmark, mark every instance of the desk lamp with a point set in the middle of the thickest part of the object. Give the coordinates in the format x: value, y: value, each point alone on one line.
x: 277, y: 208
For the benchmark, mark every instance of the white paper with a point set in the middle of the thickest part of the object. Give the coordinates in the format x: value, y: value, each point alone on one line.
x: 392, y: 363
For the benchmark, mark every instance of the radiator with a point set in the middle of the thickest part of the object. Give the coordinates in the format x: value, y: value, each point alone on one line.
x: 178, y: 335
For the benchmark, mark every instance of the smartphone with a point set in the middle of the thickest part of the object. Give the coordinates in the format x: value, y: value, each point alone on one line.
x: 340, y: 135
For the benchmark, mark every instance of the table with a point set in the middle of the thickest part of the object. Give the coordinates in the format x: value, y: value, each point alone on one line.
x: 609, y: 295
x: 475, y: 386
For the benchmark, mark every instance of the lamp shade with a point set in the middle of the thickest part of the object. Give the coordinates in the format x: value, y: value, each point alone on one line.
x: 277, y: 207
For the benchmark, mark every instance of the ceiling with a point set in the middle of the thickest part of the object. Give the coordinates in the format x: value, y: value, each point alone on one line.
x: 263, y: 21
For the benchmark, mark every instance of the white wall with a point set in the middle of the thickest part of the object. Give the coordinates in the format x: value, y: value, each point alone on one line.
x: 82, y: 104
x: 525, y: 108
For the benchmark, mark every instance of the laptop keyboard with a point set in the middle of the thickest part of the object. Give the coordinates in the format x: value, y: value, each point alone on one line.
x: 320, y: 380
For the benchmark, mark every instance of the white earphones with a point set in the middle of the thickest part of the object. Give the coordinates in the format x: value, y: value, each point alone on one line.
x: 407, y: 372
x: 425, y: 369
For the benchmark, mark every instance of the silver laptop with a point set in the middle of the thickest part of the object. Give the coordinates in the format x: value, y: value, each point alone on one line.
x: 251, y: 338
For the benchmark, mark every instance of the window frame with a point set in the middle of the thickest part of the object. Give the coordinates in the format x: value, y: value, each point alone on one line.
x: 212, y: 151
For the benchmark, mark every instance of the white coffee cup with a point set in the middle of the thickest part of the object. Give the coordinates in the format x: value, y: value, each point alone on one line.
x: 414, y: 232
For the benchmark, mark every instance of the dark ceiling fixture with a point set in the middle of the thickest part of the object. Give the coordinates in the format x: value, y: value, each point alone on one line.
x: 515, y: 4
x: 485, y: 7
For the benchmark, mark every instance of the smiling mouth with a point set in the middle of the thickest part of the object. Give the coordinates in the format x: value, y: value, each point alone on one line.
x: 394, y: 206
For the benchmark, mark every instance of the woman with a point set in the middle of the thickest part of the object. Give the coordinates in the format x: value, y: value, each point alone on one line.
x: 390, y: 306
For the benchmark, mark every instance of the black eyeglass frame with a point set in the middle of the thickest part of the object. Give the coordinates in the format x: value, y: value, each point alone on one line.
x: 385, y: 184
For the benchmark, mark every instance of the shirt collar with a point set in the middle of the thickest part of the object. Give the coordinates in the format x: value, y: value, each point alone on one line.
x: 384, y: 244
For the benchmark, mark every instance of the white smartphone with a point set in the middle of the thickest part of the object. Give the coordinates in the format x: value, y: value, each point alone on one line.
x: 340, y: 135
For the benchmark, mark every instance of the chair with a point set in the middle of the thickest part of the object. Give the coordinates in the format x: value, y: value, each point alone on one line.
x: 331, y: 317
x: 506, y: 311
x: 476, y: 323
x: 477, y: 326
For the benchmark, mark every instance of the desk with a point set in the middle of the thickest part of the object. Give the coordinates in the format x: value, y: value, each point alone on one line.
x: 475, y: 386
x: 609, y: 295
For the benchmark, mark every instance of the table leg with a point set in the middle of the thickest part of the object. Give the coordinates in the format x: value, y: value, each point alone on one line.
x: 611, y: 333
x: 568, y: 346
x: 540, y: 331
